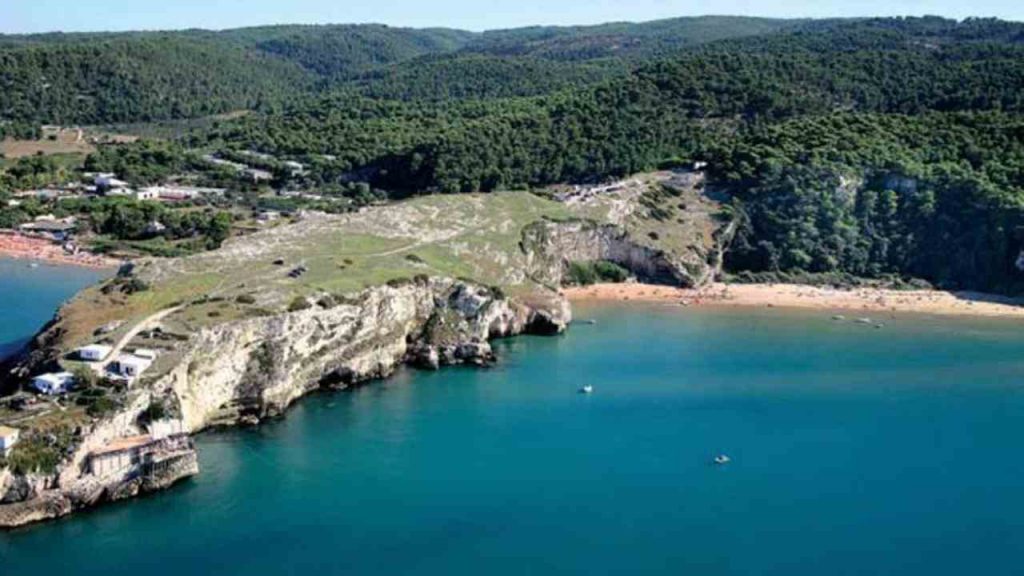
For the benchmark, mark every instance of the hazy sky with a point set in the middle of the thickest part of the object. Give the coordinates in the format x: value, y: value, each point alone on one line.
x: 19, y: 16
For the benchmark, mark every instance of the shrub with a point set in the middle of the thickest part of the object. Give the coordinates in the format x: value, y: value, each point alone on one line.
x: 587, y: 273
x: 299, y: 303
x: 246, y: 299
x: 155, y: 411
x: 101, y: 406
x: 610, y: 272
x: 85, y: 378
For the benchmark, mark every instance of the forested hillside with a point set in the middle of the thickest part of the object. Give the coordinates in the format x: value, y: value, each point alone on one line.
x: 90, y: 80
x: 142, y: 76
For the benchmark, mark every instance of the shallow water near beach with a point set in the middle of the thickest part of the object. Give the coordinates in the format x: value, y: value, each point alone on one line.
x: 854, y: 451
x: 30, y: 295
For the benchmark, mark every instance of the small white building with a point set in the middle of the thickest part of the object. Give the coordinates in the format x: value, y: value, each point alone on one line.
x: 55, y: 383
x: 268, y: 216
x: 131, y: 366
x: 8, y: 438
x: 94, y: 352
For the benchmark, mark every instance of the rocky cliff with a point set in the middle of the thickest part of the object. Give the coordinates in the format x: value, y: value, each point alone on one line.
x: 242, y: 371
x: 551, y: 246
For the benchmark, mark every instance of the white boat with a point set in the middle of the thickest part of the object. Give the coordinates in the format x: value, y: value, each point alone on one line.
x: 722, y: 459
x: 586, y: 389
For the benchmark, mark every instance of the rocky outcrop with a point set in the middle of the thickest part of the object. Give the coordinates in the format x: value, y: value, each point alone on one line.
x: 257, y: 367
x: 551, y: 246
x: 247, y: 370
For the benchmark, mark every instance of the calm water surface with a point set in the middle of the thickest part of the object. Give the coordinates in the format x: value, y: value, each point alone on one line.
x: 29, y: 296
x: 855, y: 451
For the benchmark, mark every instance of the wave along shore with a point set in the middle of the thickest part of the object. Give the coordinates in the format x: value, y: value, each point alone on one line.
x: 807, y: 297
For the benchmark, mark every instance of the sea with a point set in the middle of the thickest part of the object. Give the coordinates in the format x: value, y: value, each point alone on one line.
x: 853, y: 450
x: 31, y: 292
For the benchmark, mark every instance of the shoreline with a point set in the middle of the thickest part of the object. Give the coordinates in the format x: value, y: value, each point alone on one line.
x: 17, y: 247
x: 868, y: 300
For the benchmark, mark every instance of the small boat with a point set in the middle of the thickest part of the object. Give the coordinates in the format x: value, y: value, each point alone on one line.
x: 839, y: 317
x: 864, y: 320
x: 34, y: 265
x: 586, y: 389
x: 722, y: 459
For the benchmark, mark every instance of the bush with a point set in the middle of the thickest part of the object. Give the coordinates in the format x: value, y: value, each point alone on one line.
x: 85, y: 378
x: 587, y: 273
x: 299, y: 303
x: 610, y: 272
x: 100, y: 407
x: 246, y: 299
x: 38, y: 452
x: 155, y: 411
x: 135, y: 285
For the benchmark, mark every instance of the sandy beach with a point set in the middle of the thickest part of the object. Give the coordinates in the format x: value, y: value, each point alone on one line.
x: 25, y: 248
x: 867, y: 300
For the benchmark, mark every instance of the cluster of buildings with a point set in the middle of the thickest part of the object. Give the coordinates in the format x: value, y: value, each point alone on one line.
x: 107, y: 184
x: 125, y: 368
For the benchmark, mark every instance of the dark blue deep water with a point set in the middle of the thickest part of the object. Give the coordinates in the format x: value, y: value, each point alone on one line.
x: 29, y: 296
x: 854, y: 451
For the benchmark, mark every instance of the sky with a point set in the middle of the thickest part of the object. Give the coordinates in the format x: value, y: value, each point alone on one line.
x: 29, y: 16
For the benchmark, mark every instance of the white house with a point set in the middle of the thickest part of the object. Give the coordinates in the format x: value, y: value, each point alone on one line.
x: 8, y: 438
x: 131, y: 366
x: 94, y: 352
x: 56, y: 383
x: 268, y: 216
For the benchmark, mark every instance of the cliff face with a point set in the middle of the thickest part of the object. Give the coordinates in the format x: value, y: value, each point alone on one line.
x: 551, y: 246
x: 239, y: 372
x: 256, y: 368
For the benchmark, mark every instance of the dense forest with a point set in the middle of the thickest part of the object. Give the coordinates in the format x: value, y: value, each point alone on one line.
x: 872, y: 147
x: 141, y: 76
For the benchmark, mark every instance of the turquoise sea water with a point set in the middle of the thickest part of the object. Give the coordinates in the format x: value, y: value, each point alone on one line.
x: 854, y: 451
x: 29, y: 296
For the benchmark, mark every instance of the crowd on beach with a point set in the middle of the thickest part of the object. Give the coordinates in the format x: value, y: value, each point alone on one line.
x: 14, y: 245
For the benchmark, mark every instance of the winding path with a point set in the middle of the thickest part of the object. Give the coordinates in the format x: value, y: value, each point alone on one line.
x: 143, y: 324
